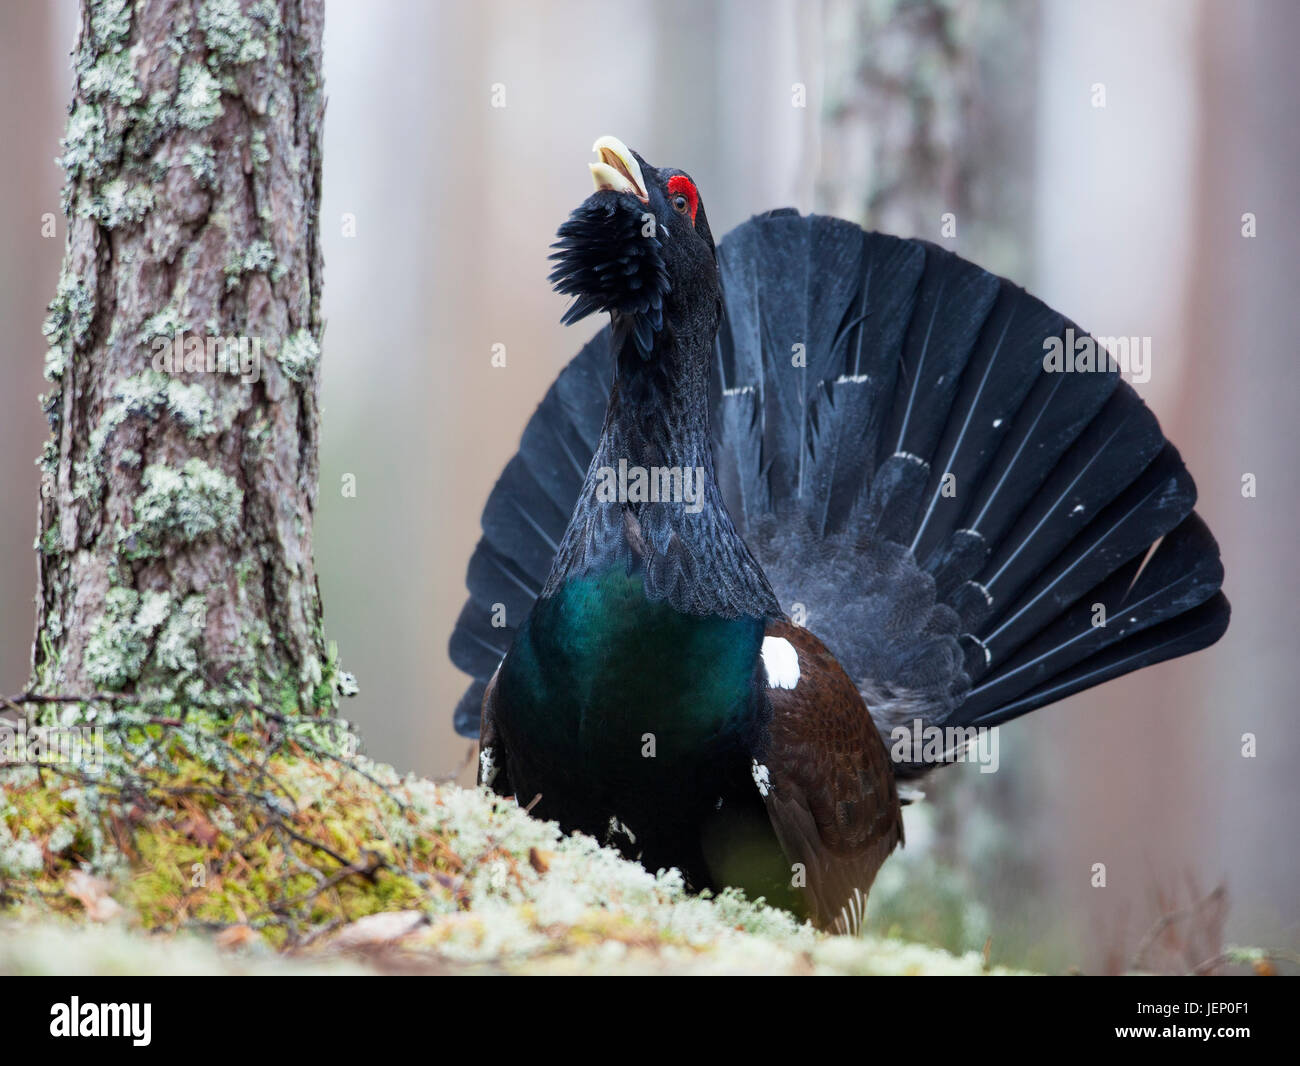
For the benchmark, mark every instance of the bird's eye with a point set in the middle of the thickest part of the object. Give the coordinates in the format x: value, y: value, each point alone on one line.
x: 683, y: 196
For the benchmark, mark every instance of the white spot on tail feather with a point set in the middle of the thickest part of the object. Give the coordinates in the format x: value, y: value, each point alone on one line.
x: 780, y: 662
x: 988, y: 655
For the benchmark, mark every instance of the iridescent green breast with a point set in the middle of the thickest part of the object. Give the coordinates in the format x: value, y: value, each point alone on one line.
x: 627, y: 692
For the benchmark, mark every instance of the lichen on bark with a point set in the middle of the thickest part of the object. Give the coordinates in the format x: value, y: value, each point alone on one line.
x: 175, y: 540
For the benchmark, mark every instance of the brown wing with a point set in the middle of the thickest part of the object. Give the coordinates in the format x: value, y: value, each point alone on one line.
x: 825, y: 777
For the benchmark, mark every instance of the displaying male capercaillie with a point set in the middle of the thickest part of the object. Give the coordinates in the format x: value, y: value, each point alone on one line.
x: 820, y: 425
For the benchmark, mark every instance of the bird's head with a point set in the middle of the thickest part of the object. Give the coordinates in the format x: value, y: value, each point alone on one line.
x: 640, y: 248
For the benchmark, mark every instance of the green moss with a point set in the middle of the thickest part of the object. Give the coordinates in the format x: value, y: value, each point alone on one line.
x: 149, y: 124
x: 260, y: 153
x: 48, y: 543
x: 181, y: 638
x: 85, y: 143
x: 92, y: 142
x: 164, y: 325
x: 20, y: 856
x: 111, y: 78
x: 288, y: 693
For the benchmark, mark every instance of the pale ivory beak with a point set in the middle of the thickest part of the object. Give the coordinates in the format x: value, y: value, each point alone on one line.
x: 618, y: 169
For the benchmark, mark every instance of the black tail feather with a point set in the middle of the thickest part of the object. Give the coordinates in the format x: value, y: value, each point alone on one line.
x: 1133, y: 600
x: 839, y: 421
x: 1181, y: 635
x: 476, y: 646
x: 1161, y: 497
x: 469, y: 711
x: 1007, y: 359
x: 1111, y: 452
x: 953, y: 302
x: 937, y: 425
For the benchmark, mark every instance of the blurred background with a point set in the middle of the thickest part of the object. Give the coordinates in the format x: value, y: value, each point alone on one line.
x: 1104, y: 155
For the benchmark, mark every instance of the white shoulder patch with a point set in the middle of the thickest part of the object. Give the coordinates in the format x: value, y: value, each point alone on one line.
x: 762, y: 778
x: 487, y: 766
x: 781, y: 662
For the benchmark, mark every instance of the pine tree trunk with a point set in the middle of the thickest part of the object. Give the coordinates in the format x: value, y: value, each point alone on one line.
x: 177, y: 495
x: 927, y: 127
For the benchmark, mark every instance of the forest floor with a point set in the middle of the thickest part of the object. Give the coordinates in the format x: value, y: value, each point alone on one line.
x: 272, y: 848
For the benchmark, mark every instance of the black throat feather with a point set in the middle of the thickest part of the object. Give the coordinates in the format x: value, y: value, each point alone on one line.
x: 609, y: 258
x: 650, y: 501
x: 656, y: 431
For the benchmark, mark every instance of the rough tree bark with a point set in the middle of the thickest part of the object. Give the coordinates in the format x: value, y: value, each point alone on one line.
x: 177, y: 496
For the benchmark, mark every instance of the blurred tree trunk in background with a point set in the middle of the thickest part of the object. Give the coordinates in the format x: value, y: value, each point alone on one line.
x: 898, y: 95
x: 927, y: 131
x: 177, y: 497
x: 926, y: 114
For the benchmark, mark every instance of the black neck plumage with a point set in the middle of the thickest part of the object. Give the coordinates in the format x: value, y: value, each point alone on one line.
x: 651, y: 502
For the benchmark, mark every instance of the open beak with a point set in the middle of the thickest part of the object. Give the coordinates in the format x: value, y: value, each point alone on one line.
x: 618, y: 169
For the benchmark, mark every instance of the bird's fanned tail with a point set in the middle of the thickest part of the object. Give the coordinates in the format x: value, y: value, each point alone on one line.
x: 970, y: 533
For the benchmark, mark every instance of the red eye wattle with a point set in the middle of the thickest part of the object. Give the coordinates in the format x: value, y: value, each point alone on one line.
x: 681, y: 185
